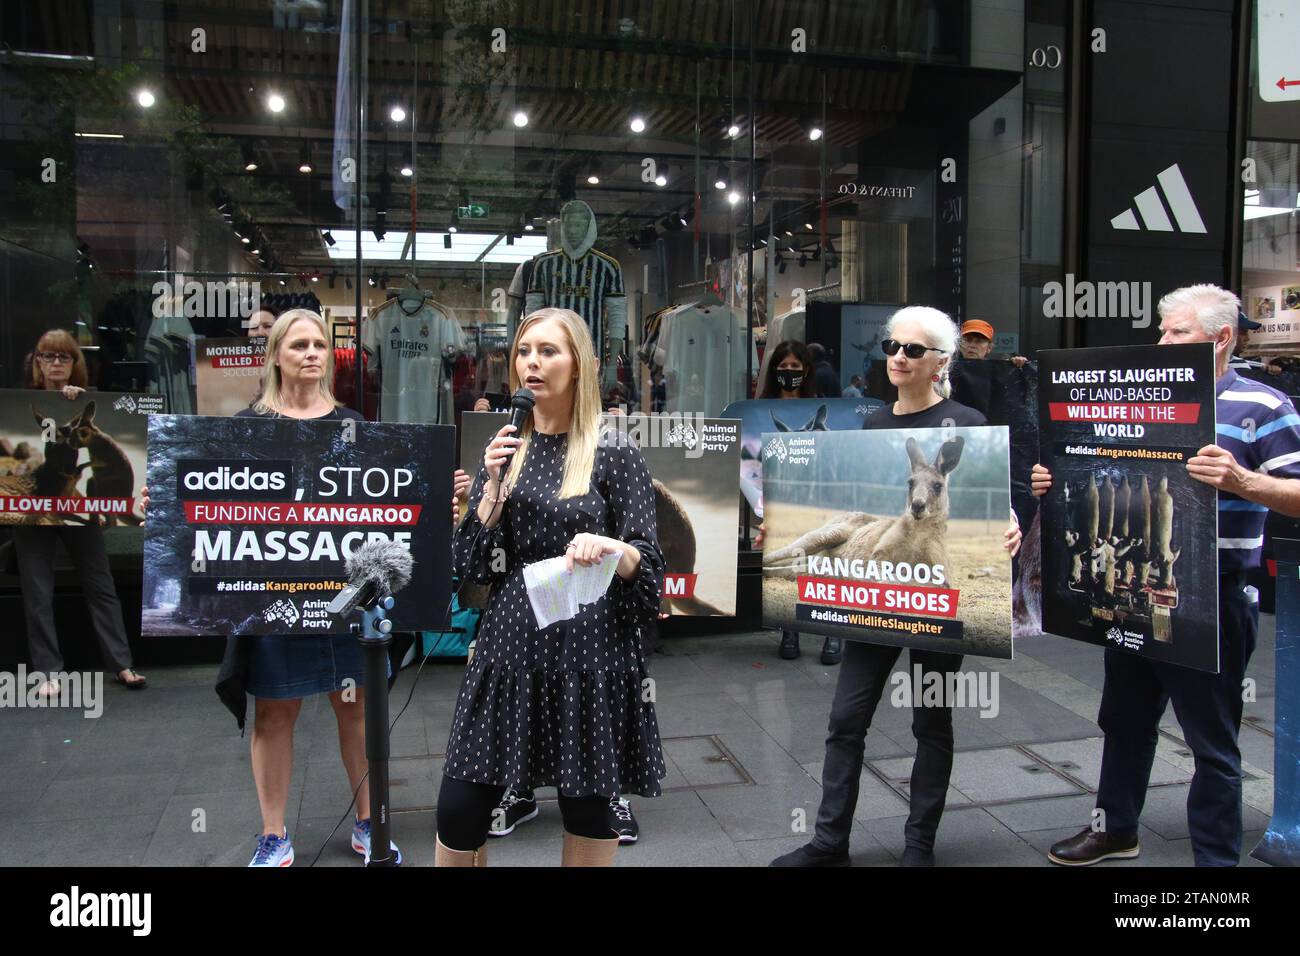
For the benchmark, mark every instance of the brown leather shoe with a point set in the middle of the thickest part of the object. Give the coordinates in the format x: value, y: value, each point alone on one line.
x: 1089, y: 846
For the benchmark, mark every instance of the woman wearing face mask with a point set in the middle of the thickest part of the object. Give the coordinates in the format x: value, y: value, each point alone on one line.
x: 58, y: 366
x: 919, y: 345
x: 790, y: 375
x: 563, y: 705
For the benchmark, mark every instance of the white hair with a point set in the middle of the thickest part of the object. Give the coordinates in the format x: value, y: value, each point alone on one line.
x: 940, y: 333
x: 1213, y: 307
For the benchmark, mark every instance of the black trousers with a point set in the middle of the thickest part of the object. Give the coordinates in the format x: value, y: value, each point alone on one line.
x: 35, y: 547
x: 864, y: 672
x: 1208, y: 707
x: 465, y: 814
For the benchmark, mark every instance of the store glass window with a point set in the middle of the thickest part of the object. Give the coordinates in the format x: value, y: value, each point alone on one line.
x: 698, y: 182
x: 1270, y: 254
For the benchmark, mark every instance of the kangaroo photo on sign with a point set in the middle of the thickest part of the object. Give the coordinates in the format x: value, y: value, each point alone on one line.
x: 1129, y: 538
x: 251, y: 521
x: 890, y: 536
x: 73, y: 461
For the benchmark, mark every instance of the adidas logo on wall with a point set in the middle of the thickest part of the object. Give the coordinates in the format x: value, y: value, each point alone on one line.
x: 1152, y: 209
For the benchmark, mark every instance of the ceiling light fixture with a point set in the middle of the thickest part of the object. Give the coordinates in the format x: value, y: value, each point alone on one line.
x: 733, y: 130
x: 593, y: 179
x: 275, y: 103
x: 733, y: 197
x: 637, y: 124
x: 250, y: 158
x: 815, y: 133
x: 304, y: 158
x: 397, y: 114
x: 145, y: 98
x: 328, y: 237
x: 521, y: 119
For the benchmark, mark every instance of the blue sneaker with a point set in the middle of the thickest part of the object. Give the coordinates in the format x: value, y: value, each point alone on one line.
x: 273, y: 850
x: 361, y: 841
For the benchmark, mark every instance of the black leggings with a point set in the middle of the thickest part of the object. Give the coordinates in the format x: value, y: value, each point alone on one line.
x: 465, y: 814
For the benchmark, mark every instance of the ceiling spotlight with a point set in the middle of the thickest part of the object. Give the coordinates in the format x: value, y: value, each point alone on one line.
x: 372, y: 280
x: 275, y: 103
x: 528, y: 227
x: 733, y: 197
x: 245, y: 240
x: 328, y: 237
x: 250, y: 159
x: 406, y: 170
x: 789, y: 233
x: 593, y: 179
x: 720, y: 177
x: 510, y: 238
x: 815, y: 133
x: 316, y: 277
x: 808, y: 226
x: 446, y: 240
x: 521, y: 119
x: 733, y: 130
x: 397, y: 115
x: 304, y: 158
x: 145, y: 98
x: 452, y: 229
x: 637, y: 124
x: 661, y: 180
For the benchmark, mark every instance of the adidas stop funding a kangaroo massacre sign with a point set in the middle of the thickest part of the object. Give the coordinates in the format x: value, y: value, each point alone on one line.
x: 890, y: 536
x: 1129, y: 538
x: 251, y: 521
x: 75, y: 461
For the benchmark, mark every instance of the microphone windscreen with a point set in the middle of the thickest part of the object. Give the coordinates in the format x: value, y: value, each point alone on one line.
x: 523, y: 399
x: 385, y: 564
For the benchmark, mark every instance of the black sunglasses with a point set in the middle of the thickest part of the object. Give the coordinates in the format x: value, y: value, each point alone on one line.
x: 913, y: 350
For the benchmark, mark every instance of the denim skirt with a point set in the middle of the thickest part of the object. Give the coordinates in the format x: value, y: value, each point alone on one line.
x: 285, y: 667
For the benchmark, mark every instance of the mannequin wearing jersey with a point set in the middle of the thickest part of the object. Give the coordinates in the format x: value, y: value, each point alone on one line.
x: 579, y: 277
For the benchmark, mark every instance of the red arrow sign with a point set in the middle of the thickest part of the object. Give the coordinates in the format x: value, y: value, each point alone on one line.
x: 1283, y: 83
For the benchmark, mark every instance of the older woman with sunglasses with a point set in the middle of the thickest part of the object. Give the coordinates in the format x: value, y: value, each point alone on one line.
x: 59, y: 366
x: 919, y: 343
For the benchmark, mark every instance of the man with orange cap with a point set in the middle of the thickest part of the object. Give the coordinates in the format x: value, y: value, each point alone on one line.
x: 976, y: 339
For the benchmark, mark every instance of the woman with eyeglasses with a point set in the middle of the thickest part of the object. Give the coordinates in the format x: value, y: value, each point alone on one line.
x: 58, y: 366
x: 920, y: 343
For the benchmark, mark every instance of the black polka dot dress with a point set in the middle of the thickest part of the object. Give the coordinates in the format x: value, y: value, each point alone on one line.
x: 566, y: 706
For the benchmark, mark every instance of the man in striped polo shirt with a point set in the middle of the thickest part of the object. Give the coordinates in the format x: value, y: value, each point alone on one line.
x: 1255, y: 465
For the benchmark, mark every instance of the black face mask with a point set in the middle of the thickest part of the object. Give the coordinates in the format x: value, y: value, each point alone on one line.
x: 789, y: 379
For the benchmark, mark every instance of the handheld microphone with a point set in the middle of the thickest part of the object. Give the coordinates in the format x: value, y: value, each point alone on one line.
x: 376, y: 570
x: 521, y: 406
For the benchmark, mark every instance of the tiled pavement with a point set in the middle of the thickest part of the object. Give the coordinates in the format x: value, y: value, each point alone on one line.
x: 743, y: 733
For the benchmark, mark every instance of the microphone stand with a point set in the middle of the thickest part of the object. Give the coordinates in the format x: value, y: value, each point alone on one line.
x: 374, y: 633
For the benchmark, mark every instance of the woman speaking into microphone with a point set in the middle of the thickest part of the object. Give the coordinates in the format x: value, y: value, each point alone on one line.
x: 562, y: 706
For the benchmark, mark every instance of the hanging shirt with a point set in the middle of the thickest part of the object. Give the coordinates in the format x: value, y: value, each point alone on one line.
x: 414, y: 355
x: 704, y: 358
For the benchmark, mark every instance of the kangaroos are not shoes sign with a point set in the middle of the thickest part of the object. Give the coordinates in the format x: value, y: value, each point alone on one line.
x: 890, y: 536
